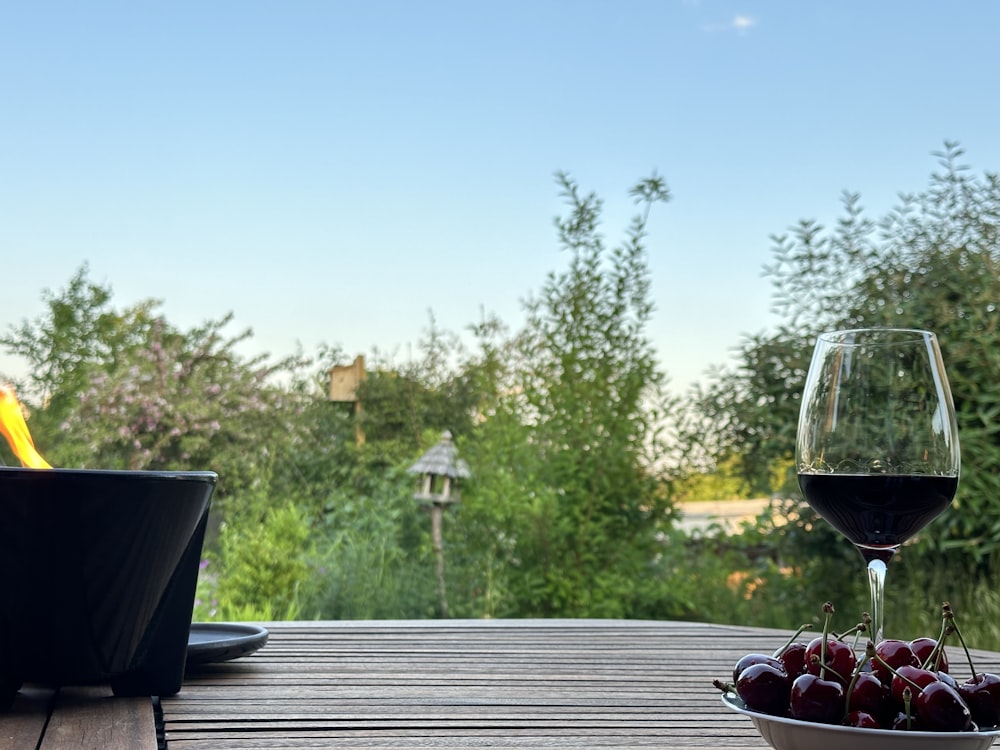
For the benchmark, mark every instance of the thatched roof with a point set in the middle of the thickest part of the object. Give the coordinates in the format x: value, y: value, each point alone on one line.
x: 442, y: 460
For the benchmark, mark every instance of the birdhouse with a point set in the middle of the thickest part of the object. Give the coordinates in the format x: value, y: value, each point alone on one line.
x: 345, y: 379
x: 344, y: 383
x: 440, y: 470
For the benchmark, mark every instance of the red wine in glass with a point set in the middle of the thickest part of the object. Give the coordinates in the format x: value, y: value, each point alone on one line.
x: 877, y: 449
x: 878, y: 510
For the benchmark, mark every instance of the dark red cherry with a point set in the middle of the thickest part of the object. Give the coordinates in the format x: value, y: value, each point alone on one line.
x: 839, y: 657
x: 815, y: 699
x: 870, y: 696
x: 794, y: 659
x: 939, y: 708
x: 922, y: 649
x: 750, y: 659
x: 982, y: 695
x: 764, y: 688
x: 916, y: 675
x: 861, y: 720
x: 896, y: 654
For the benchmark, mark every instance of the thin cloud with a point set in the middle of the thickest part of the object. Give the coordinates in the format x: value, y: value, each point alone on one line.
x: 740, y: 24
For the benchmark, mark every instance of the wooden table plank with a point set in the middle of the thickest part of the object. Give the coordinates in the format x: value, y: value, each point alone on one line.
x: 451, y: 684
x: 23, y: 724
x: 91, y: 718
x: 434, y: 685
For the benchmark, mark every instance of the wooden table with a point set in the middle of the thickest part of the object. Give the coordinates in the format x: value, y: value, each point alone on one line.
x: 430, y: 684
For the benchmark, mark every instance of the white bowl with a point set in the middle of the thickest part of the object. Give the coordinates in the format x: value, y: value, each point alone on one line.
x: 792, y: 734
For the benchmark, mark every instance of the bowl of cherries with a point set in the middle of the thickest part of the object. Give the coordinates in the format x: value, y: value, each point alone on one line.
x: 830, y: 693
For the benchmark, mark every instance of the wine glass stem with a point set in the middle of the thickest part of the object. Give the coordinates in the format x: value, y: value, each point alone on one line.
x: 876, y: 582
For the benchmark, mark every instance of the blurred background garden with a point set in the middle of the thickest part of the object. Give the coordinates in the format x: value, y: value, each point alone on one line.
x: 579, y: 452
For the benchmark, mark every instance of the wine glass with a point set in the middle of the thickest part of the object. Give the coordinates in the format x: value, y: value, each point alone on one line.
x: 877, y: 452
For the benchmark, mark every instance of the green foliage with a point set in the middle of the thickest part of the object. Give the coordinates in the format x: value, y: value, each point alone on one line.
x: 80, y: 336
x: 923, y: 577
x: 723, y: 482
x: 372, y: 560
x: 263, y: 566
x: 750, y: 414
x: 933, y: 262
x: 566, y: 426
x: 79, y: 330
x: 402, y: 403
x: 563, y: 461
x: 778, y: 571
x: 183, y: 395
x: 125, y: 389
x: 789, y: 553
x: 561, y: 422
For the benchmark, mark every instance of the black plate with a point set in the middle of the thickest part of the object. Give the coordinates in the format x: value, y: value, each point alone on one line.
x: 211, y: 642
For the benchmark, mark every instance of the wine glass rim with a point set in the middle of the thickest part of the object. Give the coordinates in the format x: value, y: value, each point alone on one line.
x: 907, y: 333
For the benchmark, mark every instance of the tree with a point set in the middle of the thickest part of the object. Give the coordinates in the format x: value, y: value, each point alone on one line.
x: 932, y: 262
x: 749, y: 414
x: 186, y: 400
x: 78, y: 336
x: 572, y: 446
x: 123, y: 388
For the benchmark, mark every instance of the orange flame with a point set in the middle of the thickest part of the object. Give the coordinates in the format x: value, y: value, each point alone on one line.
x: 13, y: 428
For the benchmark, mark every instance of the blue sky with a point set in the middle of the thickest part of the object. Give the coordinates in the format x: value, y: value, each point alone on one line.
x: 333, y: 171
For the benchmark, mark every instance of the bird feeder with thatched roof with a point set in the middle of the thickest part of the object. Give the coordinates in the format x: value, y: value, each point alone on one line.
x: 439, y: 471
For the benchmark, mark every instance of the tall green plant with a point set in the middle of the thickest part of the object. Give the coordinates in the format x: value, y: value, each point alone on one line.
x: 582, y: 530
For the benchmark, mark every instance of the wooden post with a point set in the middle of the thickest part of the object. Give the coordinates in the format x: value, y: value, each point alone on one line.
x: 437, y: 539
x: 359, y: 431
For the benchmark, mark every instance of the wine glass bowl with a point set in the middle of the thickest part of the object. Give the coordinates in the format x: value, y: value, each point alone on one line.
x: 877, y: 450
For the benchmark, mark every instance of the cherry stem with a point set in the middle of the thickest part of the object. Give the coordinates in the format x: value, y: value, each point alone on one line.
x: 856, y: 631
x: 949, y: 620
x: 933, y: 660
x: 907, y: 697
x: 725, y: 687
x: 814, y: 660
x: 828, y: 612
x: 780, y: 651
x: 854, y: 676
x: 896, y: 673
x: 862, y: 627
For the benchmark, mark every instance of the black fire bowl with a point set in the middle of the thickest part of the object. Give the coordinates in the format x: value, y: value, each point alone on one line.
x: 98, y: 571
